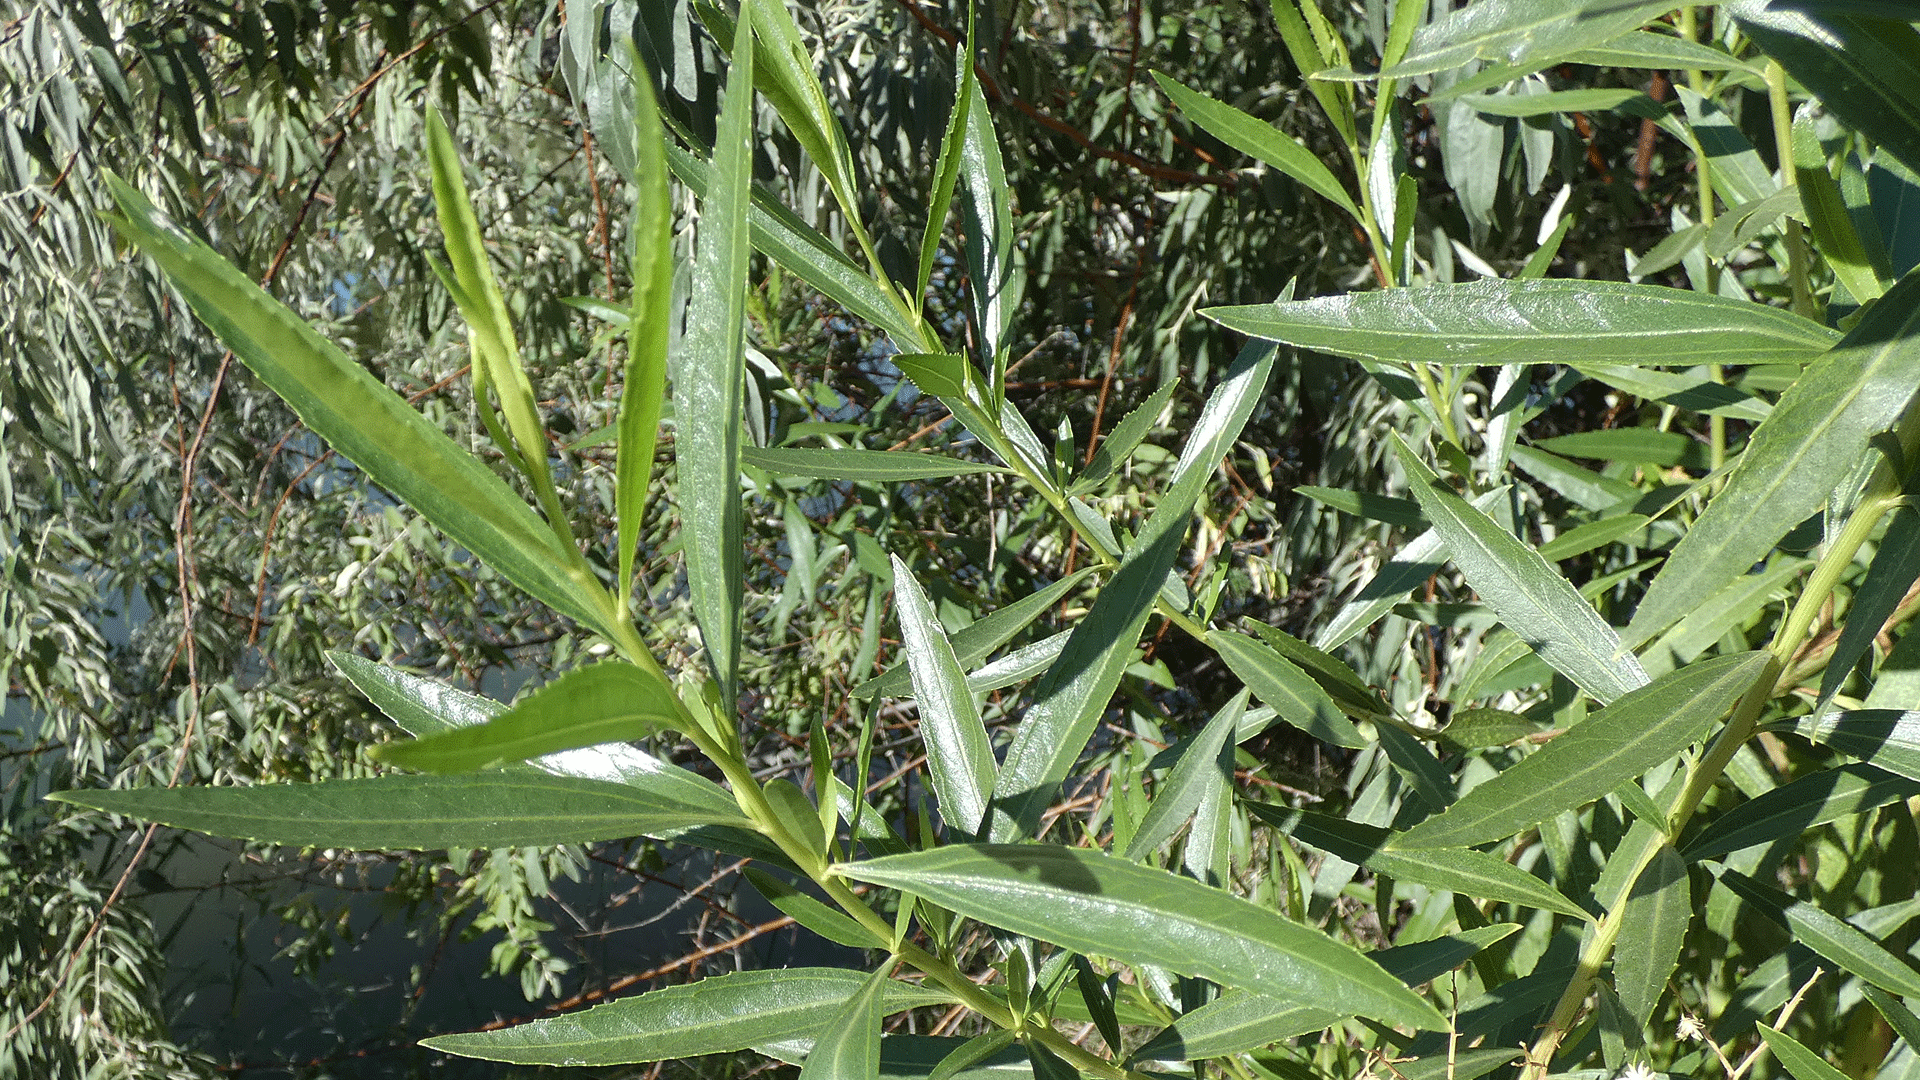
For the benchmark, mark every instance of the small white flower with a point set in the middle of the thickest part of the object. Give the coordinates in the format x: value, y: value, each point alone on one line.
x: 1689, y: 1028
x: 1637, y: 1071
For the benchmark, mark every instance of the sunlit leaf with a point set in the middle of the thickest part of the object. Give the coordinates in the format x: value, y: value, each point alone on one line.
x: 848, y: 1045
x: 1597, y: 755
x: 644, y: 389
x: 1884, y: 737
x: 979, y: 638
x: 1801, y: 804
x: 1865, y: 70
x: 959, y: 757
x: 1176, y: 798
x: 1260, y: 140
x: 879, y: 466
x: 1657, y: 913
x: 1100, y: 905
x: 1515, y: 32
x: 1278, y: 682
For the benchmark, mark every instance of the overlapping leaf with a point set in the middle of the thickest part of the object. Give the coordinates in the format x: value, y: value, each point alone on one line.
x: 958, y: 754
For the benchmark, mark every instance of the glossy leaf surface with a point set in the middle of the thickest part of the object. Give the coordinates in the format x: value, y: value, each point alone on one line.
x: 879, y: 466
x: 1516, y: 31
x: 1590, y: 759
x: 848, y: 1046
x: 975, y: 641
x: 1100, y: 905
x: 959, y: 757
x: 1177, y: 797
x: 1291, y: 692
x: 1865, y: 70
x: 1260, y: 140
x: 1888, y: 738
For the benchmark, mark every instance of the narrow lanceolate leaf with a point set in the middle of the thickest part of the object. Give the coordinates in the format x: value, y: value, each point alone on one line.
x: 1259, y: 140
x: 1531, y: 597
x: 713, y: 1016
x: 1658, y: 911
x: 1291, y: 692
x: 1806, y: 803
x: 877, y: 466
x: 1897, y: 1015
x: 1865, y: 70
x: 1344, y: 685
x: 1595, y: 756
x: 607, y: 702
x: 848, y: 1046
x: 1470, y: 873
x: 1241, y: 1020
x: 644, y: 389
x: 826, y: 921
x: 1896, y: 566
x: 1827, y: 935
x: 1525, y: 322
x: 1888, y: 738
x: 1177, y: 797
x: 987, y: 217
x: 972, y: 644
x: 947, y: 172
x: 1416, y: 561
x: 1801, y: 1063
x: 710, y: 379
x: 1817, y: 432
x: 1114, y: 450
x: 1518, y: 31
x: 1100, y: 905
x: 1073, y: 695
x: 958, y: 754
x: 414, y: 813
x: 367, y: 423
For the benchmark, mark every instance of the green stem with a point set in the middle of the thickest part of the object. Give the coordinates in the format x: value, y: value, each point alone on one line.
x: 1797, y: 254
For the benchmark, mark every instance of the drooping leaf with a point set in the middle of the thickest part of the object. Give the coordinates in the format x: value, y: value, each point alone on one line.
x: 979, y: 638
x: 1865, y: 70
x: 1801, y: 1063
x: 1827, y: 935
x: 1533, y: 600
x: 1517, y: 32
x: 1073, y: 694
x: 1240, y: 1020
x: 414, y: 813
x: 1178, y: 796
x: 848, y: 1046
x: 716, y: 1015
x: 709, y: 379
x: 1098, y: 998
x: 607, y: 702
x: 1665, y: 52
x: 1898, y: 1016
x: 1657, y: 913
x: 366, y: 422
x: 810, y: 913
x: 1523, y: 322
x: 1595, y: 756
x: 1692, y: 389
x: 959, y: 757
x: 1804, y: 803
x: 643, y: 391
x: 1819, y: 429
x: 1099, y: 905
x: 1278, y: 682
x: 879, y: 466
x: 1259, y: 140
x: 973, y: 1057
x: 1888, y: 738
x: 1470, y: 873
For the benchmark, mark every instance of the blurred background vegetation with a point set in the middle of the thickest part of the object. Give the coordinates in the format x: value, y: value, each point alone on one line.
x: 178, y: 552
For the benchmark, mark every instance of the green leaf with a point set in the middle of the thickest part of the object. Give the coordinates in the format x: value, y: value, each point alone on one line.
x: 876, y: 466
x: 1098, y: 998
x: 947, y: 171
x: 848, y: 1046
x: 1816, y: 433
x: 1416, y: 561
x: 1884, y: 737
x: 1898, y: 1016
x: 1800, y: 1062
x: 1895, y: 567
x: 1597, y: 755
x: 782, y: 71
x: 1865, y: 70
x: 367, y: 423
x: 1072, y: 696
x: 1693, y: 389
x: 1663, y: 52
x: 1048, y: 1065
x: 1594, y: 99
x: 1478, y: 729
x: 1341, y: 682
x: 1517, y: 32
x: 1732, y: 606
x: 716, y: 1015
x: 1100, y: 905
x: 1827, y: 215
x: 973, y: 643
x: 1524, y: 322
x: 779, y: 234
x: 1240, y: 1020
x: 1594, y: 534
x: 975, y: 1056
x: 1738, y: 173
x: 644, y: 389
x: 1178, y: 796
x: 1127, y: 435
x: 988, y: 219
x: 1644, y: 446
x: 1805, y: 803
x: 607, y: 702
x: 1402, y: 512
x: 1657, y: 912
x: 415, y: 813
x: 808, y: 912
x: 709, y: 380
x: 1828, y: 936
x: 959, y: 756
x: 1533, y: 600
x: 1470, y: 873
x: 1278, y: 682
x: 1260, y: 140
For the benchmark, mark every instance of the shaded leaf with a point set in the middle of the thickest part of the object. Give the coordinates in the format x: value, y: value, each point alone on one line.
x: 826, y: 921
x: 1827, y: 935
x: 1127, y: 435
x: 1517, y: 32
x: 1865, y: 70
x: 643, y: 391
x: 1895, y: 567
x: 1805, y: 803
x: 1416, y: 561
x: 1888, y: 738
x: 1278, y: 682
x: 1801, y: 1062
x: 1658, y: 911
x: 1179, y: 795
x: 1260, y: 140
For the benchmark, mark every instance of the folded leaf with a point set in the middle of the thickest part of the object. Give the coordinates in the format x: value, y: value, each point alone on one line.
x: 607, y: 702
x: 713, y: 1016
x: 1594, y: 757
x: 643, y: 390
x: 413, y: 813
x: 1525, y: 322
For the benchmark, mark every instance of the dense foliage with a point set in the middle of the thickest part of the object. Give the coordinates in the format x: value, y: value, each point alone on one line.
x: 1420, y: 831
